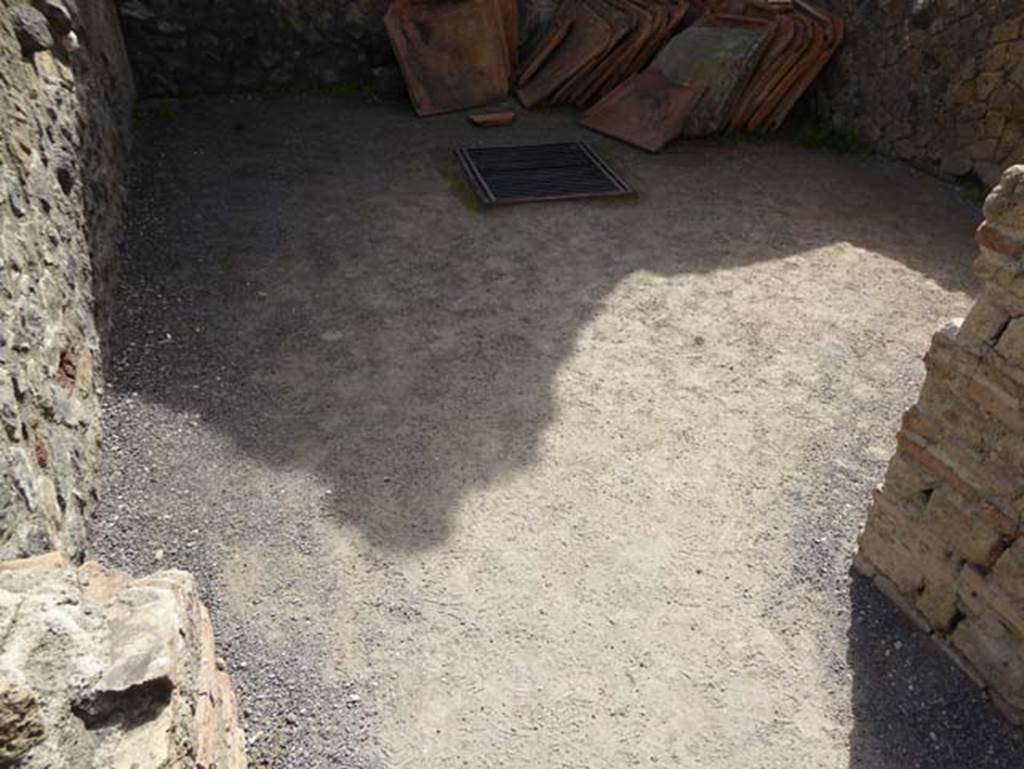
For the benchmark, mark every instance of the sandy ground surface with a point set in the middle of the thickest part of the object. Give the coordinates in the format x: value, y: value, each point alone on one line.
x: 569, y: 485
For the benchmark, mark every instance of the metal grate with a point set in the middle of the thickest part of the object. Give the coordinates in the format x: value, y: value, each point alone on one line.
x: 532, y: 173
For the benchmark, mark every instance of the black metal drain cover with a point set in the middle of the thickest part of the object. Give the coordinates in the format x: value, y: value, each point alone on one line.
x: 536, y: 172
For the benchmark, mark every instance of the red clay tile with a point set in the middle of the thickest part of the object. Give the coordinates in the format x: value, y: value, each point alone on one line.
x: 493, y: 119
x: 648, y: 110
x: 452, y: 55
x: 510, y: 25
x: 588, y: 37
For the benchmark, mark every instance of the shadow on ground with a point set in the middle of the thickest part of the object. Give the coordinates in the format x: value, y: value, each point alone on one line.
x: 912, y: 706
x: 303, y: 278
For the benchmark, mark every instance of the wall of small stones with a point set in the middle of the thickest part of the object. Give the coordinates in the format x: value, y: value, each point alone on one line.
x: 65, y: 109
x: 945, y: 537
x: 937, y: 82
x: 187, y: 47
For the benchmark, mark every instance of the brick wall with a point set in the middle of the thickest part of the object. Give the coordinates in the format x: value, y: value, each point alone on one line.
x: 944, y: 538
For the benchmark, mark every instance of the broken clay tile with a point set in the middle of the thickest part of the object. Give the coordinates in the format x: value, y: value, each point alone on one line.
x: 493, y: 119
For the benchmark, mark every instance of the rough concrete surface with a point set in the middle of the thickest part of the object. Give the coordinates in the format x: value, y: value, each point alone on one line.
x: 569, y: 485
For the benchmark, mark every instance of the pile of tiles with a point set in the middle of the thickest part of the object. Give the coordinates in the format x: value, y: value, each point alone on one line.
x: 592, y: 46
x: 741, y: 66
x: 800, y: 41
x: 646, y: 71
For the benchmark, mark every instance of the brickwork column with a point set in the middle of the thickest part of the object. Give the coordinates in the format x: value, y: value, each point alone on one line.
x: 944, y: 537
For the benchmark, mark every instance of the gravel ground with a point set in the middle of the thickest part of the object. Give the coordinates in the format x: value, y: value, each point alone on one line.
x: 567, y: 485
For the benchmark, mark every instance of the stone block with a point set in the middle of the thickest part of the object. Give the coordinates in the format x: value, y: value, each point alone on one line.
x: 1011, y: 139
x: 1008, y: 574
x: 986, y: 320
x: 907, y: 480
x: 1008, y: 244
x: 958, y: 419
x: 1007, y: 273
x: 994, y: 59
x: 1006, y: 31
x: 974, y: 531
x: 1011, y: 342
x: 889, y: 546
x: 113, y: 671
x: 936, y: 600
x: 993, y: 397
x: 1005, y: 204
x: 993, y: 652
x: 30, y: 28
x: 955, y: 163
x: 995, y: 124
x: 982, y: 150
x: 970, y: 132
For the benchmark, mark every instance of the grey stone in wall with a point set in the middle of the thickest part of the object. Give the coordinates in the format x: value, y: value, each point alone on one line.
x: 937, y: 82
x: 65, y: 108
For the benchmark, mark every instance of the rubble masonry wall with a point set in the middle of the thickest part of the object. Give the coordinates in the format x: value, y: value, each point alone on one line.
x: 936, y: 82
x: 65, y: 111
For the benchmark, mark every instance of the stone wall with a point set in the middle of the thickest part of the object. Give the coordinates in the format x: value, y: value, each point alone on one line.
x: 65, y: 107
x: 938, y: 82
x: 944, y: 538
x: 96, y: 668
x: 188, y: 47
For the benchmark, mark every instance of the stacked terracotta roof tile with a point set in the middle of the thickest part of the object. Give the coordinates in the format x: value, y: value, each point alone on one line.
x: 944, y: 538
x: 592, y: 46
x: 649, y: 70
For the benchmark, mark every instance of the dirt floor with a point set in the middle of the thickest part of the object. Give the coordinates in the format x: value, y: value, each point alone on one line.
x: 570, y: 485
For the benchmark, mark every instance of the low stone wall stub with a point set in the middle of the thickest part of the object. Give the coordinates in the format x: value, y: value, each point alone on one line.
x: 944, y: 538
x: 99, y: 668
